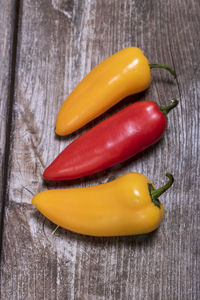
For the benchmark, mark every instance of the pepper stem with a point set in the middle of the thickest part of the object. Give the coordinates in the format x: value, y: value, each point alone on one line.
x: 165, y: 110
x: 156, y: 193
x: 162, y: 66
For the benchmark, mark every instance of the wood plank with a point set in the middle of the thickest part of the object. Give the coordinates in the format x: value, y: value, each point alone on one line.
x: 7, y: 58
x: 60, y: 41
x: 6, y: 39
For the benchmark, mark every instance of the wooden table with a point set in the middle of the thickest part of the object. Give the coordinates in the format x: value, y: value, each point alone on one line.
x: 46, y: 48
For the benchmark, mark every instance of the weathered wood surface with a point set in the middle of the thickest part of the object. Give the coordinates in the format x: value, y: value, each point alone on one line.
x: 7, y: 15
x: 58, y: 43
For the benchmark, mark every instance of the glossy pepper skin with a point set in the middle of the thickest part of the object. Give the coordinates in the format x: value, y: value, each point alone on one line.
x: 128, y: 205
x: 125, y: 73
x: 110, y: 142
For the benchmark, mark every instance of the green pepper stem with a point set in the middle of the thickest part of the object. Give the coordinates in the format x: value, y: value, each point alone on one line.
x: 162, y: 66
x: 156, y: 193
x: 165, y: 110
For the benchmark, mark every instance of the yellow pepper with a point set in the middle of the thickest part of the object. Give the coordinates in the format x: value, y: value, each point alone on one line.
x: 128, y: 205
x: 125, y: 73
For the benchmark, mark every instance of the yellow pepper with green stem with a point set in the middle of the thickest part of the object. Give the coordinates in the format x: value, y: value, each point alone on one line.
x: 128, y: 205
x: 125, y: 73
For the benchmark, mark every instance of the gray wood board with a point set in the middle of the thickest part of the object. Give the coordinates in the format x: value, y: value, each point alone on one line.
x: 6, y: 38
x: 59, y: 43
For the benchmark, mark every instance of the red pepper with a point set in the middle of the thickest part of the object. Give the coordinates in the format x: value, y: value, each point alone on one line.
x: 112, y: 141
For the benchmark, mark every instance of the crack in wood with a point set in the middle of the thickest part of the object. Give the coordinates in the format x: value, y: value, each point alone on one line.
x: 65, y: 7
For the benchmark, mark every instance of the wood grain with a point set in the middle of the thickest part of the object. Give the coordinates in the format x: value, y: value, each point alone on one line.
x: 59, y: 42
x: 6, y: 30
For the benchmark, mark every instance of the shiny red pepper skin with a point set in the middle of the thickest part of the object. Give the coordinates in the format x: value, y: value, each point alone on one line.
x: 112, y: 141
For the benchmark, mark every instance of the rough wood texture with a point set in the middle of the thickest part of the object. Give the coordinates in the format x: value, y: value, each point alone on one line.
x: 6, y: 14
x: 59, y: 42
